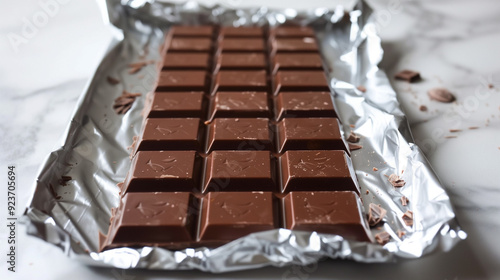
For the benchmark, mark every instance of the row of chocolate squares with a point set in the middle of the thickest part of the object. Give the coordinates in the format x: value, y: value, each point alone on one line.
x: 242, y: 80
x: 301, y: 170
x: 180, y: 220
x: 240, y: 134
x: 211, y: 31
x: 277, y: 40
x: 249, y: 104
x: 273, y: 46
x: 242, y: 61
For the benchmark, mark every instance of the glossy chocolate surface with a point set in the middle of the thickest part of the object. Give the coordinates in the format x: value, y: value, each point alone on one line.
x: 241, y: 32
x: 177, y: 105
x: 246, y: 104
x: 241, y: 61
x: 164, y: 171
x: 310, y: 134
x: 239, y: 171
x: 305, y: 44
x: 187, y: 80
x: 297, y: 61
x: 327, y: 212
x: 237, y: 139
x: 190, y: 45
x: 239, y: 134
x: 316, y: 170
x: 300, y: 81
x: 153, y: 218
x: 229, y: 215
x: 227, y: 80
x: 186, y: 61
x: 241, y: 45
x: 170, y: 134
x: 304, y: 105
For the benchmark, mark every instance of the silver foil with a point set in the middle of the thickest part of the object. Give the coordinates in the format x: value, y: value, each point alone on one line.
x: 95, y: 151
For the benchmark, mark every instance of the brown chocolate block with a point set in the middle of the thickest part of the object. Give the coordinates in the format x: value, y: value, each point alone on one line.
x: 239, y: 134
x: 172, y: 80
x: 227, y: 80
x: 241, y: 45
x: 232, y: 32
x: 239, y: 171
x: 297, y: 61
x: 231, y: 215
x: 176, y: 105
x: 170, y: 134
x: 186, y: 61
x: 292, y: 31
x: 327, y: 212
x: 317, y: 170
x: 153, y: 218
x: 306, y: 44
x: 190, y: 45
x: 163, y: 171
x: 241, y: 61
x: 192, y: 31
x: 310, y: 134
x: 304, y: 105
x: 300, y: 81
x: 246, y: 104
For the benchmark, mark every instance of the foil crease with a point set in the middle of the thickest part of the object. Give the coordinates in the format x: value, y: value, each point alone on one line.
x: 94, y: 152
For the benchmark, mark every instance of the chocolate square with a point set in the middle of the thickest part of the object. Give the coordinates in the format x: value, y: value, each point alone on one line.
x: 239, y: 134
x: 190, y: 45
x: 239, y: 171
x: 176, y: 105
x: 306, y: 44
x: 246, y: 104
x: 300, y: 81
x: 241, y: 61
x: 186, y: 61
x: 164, y: 171
x: 231, y: 215
x: 170, y: 134
x: 327, y: 212
x: 317, y: 170
x: 310, y: 134
x: 242, y: 31
x: 241, y: 45
x: 172, y: 80
x: 227, y: 80
x: 297, y: 61
x: 149, y: 218
x: 304, y: 105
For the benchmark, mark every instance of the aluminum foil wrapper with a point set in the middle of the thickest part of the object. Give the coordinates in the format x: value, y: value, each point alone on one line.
x: 69, y: 212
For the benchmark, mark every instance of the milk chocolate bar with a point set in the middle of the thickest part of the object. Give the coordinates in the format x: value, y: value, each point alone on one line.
x: 240, y: 136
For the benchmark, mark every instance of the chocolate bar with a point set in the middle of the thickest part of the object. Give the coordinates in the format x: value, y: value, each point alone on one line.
x: 240, y: 136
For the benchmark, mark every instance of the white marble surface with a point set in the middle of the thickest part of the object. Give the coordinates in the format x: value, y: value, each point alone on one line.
x: 454, y: 44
